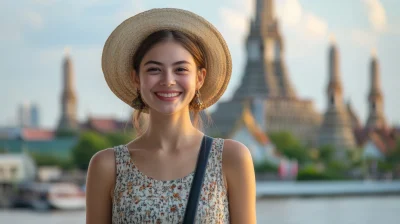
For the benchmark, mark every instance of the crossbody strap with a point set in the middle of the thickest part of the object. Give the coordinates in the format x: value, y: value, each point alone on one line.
x: 197, y: 183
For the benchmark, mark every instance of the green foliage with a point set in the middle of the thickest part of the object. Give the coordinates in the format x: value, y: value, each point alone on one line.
x: 393, y: 156
x: 52, y: 160
x: 66, y: 133
x: 326, y: 153
x: 311, y: 173
x: 265, y: 166
x: 337, y: 166
x: 117, y: 138
x: 88, y: 144
x: 385, y: 166
x: 284, y: 140
x: 289, y: 146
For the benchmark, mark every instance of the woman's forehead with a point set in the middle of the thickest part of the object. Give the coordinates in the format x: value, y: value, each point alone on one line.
x: 168, y: 53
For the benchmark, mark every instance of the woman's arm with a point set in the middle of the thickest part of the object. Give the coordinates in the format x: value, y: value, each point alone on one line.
x: 99, y: 187
x: 239, y: 172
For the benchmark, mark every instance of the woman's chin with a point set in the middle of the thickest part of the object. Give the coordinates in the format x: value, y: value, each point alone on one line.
x: 167, y: 110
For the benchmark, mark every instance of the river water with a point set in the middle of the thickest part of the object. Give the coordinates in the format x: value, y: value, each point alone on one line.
x: 339, y: 210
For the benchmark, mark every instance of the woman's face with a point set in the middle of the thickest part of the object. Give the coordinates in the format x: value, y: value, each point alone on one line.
x: 169, y: 77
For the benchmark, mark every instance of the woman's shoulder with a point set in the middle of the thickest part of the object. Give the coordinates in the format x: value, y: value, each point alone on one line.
x: 103, y: 163
x: 234, y: 150
x: 238, y: 167
x: 235, y: 156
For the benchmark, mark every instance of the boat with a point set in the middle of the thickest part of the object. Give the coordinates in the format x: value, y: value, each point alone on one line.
x: 45, y: 196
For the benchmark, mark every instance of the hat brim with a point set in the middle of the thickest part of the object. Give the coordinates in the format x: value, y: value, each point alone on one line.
x: 121, y: 45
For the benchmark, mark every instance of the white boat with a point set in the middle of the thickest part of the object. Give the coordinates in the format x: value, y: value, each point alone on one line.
x: 44, y: 196
x: 66, y: 196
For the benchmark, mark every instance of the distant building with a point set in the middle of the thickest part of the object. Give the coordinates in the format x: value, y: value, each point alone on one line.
x: 58, y: 148
x: 247, y: 129
x: 105, y: 125
x: 336, y: 129
x: 68, y: 120
x: 28, y: 115
x: 35, y: 116
x: 24, y: 115
x: 26, y: 134
x: 266, y: 79
x: 16, y: 168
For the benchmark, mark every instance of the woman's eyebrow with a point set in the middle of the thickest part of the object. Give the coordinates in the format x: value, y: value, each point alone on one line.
x: 159, y: 63
x: 153, y: 62
x: 181, y: 62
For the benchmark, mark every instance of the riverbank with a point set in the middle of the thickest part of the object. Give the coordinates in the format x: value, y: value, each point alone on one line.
x: 341, y: 210
x: 274, y: 189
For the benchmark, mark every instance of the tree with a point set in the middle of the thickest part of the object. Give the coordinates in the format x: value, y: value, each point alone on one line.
x: 289, y: 146
x: 118, y: 138
x: 326, y: 153
x: 52, y: 160
x: 393, y: 156
x: 265, y: 166
x: 62, y: 133
x: 89, y: 143
x: 284, y: 140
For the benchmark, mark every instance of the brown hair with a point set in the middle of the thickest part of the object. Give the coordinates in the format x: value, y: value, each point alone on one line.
x: 191, y: 44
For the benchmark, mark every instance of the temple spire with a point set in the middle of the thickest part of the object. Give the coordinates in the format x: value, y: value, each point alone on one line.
x: 68, y: 120
x: 265, y: 15
x: 337, y: 128
x: 335, y: 84
x: 376, y: 118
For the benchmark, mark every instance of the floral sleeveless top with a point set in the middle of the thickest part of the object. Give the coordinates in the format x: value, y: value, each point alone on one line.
x: 141, y: 199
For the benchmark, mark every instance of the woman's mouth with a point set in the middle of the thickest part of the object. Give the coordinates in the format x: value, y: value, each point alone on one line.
x: 168, y: 96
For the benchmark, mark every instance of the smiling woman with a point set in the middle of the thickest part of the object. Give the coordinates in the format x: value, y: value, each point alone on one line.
x: 167, y: 64
x: 172, y: 80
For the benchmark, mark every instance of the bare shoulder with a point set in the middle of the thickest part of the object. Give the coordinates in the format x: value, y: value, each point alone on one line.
x: 102, y: 166
x: 100, y: 182
x: 237, y: 164
x: 235, y: 152
x: 103, y: 160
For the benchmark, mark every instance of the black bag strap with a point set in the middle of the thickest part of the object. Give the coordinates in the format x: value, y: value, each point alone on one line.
x: 197, y: 183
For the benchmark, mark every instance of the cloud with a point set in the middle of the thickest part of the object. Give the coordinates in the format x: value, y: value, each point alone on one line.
x: 315, y: 26
x: 291, y: 12
x: 235, y: 20
x: 305, y: 23
x: 247, y: 6
x: 376, y: 15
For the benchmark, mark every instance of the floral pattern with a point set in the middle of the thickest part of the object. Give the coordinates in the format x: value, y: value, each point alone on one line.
x: 141, y: 199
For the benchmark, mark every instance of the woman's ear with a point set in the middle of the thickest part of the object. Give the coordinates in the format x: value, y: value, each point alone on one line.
x: 201, y: 75
x: 135, y: 79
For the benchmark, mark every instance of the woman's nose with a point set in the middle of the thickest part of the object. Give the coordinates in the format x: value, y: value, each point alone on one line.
x: 168, y: 78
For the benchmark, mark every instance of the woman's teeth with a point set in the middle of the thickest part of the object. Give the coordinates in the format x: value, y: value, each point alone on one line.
x: 168, y: 94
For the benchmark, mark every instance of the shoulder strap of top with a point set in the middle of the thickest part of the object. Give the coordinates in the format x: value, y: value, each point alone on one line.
x: 216, y: 154
x: 197, y: 183
x: 122, y: 158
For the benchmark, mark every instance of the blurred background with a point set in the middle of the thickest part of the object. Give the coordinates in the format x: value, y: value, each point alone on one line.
x: 313, y: 95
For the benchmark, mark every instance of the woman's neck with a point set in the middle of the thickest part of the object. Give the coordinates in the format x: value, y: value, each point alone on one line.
x: 171, y: 131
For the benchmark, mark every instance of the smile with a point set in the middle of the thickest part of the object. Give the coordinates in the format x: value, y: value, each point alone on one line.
x: 168, y: 96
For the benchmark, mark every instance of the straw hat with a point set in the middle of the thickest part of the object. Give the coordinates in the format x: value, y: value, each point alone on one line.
x: 118, y: 51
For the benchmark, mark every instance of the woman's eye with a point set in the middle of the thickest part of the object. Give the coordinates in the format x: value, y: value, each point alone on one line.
x: 181, y: 70
x: 153, y: 70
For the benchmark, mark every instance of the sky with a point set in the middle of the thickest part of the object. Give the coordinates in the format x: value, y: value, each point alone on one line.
x: 36, y: 32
